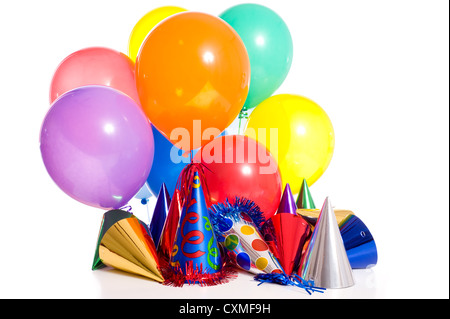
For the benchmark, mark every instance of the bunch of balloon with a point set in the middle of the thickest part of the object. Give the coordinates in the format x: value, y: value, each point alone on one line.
x: 187, y: 77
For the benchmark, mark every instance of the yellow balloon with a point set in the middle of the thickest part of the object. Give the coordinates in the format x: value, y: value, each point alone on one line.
x: 298, y: 133
x: 145, y: 25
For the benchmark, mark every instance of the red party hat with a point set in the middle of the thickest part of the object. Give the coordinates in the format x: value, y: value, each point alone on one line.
x: 169, y: 231
x: 290, y: 231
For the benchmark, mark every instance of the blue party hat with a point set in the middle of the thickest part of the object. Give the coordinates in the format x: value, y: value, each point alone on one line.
x: 358, y: 242
x: 196, y: 257
x: 160, y: 213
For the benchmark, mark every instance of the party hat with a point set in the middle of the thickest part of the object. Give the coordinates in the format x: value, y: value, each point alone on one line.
x: 124, y: 243
x: 291, y: 232
x: 160, y: 213
x: 325, y: 261
x: 358, y: 242
x: 196, y: 257
x: 169, y: 231
x: 237, y: 227
x: 287, y: 202
x: 304, y: 199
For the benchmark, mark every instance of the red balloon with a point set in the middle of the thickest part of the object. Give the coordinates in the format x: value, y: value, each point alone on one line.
x: 238, y: 165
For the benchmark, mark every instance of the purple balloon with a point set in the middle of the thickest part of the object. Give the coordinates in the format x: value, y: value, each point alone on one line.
x: 97, y: 145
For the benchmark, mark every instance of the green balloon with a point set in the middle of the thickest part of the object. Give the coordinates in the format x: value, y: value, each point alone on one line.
x: 269, y: 46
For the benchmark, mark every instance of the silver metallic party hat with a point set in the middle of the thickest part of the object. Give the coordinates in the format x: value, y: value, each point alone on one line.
x: 325, y: 261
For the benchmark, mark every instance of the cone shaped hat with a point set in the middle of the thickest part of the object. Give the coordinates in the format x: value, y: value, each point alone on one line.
x: 124, y: 243
x: 165, y: 244
x: 325, y: 261
x: 160, y: 213
x: 287, y: 202
x: 195, y: 248
x: 304, y: 199
x: 291, y: 232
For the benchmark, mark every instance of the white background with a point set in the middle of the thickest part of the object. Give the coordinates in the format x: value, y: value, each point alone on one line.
x: 378, y: 68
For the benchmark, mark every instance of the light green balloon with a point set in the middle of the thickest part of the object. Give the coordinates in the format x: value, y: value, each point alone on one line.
x: 269, y: 46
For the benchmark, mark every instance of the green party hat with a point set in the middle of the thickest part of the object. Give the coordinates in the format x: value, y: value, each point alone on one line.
x: 304, y: 199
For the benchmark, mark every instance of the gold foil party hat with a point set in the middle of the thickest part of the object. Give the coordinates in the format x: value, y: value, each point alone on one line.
x: 124, y: 243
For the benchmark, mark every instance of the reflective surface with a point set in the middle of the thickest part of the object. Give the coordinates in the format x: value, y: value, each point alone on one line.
x: 97, y: 146
x: 165, y: 244
x: 192, y: 67
x: 325, y: 261
x: 125, y: 244
x: 298, y: 133
x: 94, y: 66
x: 291, y: 232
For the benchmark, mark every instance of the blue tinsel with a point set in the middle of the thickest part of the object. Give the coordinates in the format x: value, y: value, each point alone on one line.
x: 293, y: 280
x: 232, y: 211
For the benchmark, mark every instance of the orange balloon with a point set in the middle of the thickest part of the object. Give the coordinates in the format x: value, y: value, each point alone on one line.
x: 192, y: 75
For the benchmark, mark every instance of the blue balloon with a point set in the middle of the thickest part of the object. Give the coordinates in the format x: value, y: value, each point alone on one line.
x: 168, y: 163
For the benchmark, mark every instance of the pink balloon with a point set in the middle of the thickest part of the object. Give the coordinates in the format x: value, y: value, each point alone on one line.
x: 94, y: 66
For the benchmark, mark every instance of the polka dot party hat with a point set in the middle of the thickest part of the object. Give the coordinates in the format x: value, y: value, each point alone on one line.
x: 238, y: 233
